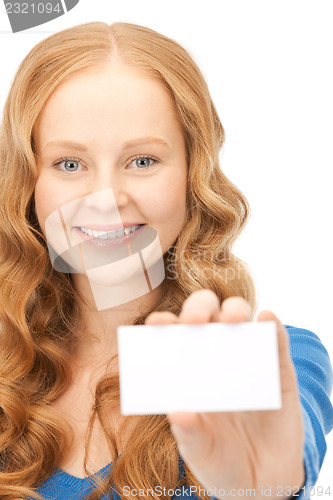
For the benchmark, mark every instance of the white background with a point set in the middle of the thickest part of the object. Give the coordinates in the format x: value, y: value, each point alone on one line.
x: 269, y: 69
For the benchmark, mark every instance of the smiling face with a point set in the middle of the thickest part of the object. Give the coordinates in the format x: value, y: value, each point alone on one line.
x: 113, y: 127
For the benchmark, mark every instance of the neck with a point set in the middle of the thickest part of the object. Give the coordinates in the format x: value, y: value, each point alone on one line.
x: 98, y: 329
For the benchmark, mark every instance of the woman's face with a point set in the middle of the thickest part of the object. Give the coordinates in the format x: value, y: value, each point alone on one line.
x: 113, y: 127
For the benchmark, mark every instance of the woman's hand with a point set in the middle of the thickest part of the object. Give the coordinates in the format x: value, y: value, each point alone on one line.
x: 228, y: 451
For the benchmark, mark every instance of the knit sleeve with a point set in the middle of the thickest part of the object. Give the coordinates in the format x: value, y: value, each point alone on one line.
x: 314, y: 375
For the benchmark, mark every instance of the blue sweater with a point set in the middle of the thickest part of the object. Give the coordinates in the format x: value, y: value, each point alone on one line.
x: 314, y: 373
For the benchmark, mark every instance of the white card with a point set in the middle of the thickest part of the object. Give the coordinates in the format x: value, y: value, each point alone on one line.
x: 198, y: 368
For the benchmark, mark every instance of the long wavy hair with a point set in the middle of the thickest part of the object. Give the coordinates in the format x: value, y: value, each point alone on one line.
x: 39, y: 313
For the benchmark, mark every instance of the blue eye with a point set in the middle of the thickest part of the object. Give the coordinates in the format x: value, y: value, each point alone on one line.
x: 69, y: 164
x: 144, y: 162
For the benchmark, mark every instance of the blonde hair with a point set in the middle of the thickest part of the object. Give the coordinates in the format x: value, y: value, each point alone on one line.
x: 38, y: 305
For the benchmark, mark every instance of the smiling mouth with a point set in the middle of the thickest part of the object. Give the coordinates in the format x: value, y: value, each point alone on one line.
x: 109, y: 235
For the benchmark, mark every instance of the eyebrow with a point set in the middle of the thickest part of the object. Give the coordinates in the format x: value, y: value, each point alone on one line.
x: 127, y: 145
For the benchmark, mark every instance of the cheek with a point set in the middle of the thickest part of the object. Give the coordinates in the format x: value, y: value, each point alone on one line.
x: 166, y: 206
x: 47, y: 199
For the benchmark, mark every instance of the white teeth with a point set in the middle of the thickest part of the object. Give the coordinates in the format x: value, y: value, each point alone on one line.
x: 106, y: 235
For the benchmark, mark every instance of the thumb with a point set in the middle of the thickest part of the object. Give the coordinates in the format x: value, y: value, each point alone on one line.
x: 189, y: 432
x: 287, y: 369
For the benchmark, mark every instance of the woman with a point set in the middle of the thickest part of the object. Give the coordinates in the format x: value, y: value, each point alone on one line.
x: 124, y: 111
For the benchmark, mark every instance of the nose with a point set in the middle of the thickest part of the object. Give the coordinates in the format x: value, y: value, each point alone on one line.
x: 108, y: 192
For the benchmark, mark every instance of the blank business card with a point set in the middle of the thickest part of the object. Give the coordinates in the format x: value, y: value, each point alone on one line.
x: 198, y: 368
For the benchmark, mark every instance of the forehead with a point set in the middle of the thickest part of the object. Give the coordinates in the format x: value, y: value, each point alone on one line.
x: 108, y: 101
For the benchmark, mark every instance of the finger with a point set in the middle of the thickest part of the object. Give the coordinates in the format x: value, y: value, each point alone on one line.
x: 287, y: 370
x: 234, y: 310
x: 192, y: 440
x: 161, y: 318
x: 201, y: 307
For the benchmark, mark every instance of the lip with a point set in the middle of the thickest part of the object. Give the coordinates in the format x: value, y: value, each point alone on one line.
x: 115, y: 242
x: 110, y: 227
